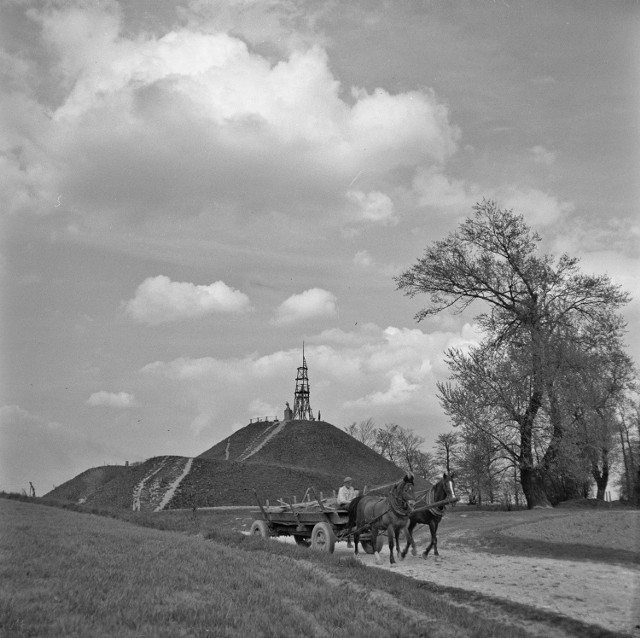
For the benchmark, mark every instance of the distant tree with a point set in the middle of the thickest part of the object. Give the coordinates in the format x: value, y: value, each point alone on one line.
x: 425, y: 466
x: 628, y: 421
x: 446, y: 450
x: 364, y: 431
x: 399, y: 445
x: 533, y: 305
x: 387, y: 442
x: 410, y: 456
x: 402, y: 446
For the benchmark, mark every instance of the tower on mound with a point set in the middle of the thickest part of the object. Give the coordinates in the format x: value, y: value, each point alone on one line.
x: 301, y: 405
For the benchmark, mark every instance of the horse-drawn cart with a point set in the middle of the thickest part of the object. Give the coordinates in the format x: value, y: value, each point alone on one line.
x: 318, y: 524
x: 321, y: 523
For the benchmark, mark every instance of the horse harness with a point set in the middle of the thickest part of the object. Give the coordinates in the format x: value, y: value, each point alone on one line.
x: 428, y: 497
x: 394, y: 505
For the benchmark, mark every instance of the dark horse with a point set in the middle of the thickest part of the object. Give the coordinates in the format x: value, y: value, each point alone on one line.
x: 389, y: 513
x: 430, y: 516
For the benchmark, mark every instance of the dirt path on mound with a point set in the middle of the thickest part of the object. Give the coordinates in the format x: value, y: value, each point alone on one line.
x: 598, y: 592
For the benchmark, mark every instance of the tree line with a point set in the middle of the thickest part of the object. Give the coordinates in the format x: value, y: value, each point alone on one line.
x: 547, y: 404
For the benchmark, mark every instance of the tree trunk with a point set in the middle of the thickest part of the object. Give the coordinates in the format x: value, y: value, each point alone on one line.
x: 627, y: 471
x: 531, y: 479
x: 533, y: 488
x: 555, y: 417
x: 602, y: 476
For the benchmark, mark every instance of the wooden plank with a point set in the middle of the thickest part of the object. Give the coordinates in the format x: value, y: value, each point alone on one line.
x: 264, y: 513
x: 429, y: 506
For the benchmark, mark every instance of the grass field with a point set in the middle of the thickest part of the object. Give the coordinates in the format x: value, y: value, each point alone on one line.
x: 64, y: 573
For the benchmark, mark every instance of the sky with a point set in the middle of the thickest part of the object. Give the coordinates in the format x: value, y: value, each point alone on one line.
x: 191, y: 190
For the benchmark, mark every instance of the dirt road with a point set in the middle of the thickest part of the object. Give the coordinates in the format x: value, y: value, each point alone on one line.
x: 579, y: 564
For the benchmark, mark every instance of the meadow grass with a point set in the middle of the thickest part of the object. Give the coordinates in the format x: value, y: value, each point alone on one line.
x: 66, y: 574
x: 73, y: 575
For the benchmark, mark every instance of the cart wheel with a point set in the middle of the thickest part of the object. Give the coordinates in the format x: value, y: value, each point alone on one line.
x: 323, y: 538
x: 260, y: 528
x: 303, y: 541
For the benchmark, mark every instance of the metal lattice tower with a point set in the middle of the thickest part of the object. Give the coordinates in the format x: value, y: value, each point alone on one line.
x: 301, y: 405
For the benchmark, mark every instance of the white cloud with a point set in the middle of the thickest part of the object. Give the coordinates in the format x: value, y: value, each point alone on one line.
x: 399, y: 391
x: 158, y: 300
x: 310, y: 304
x: 403, y: 129
x: 172, y: 123
x: 436, y: 190
x: 375, y: 207
x: 388, y: 374
x: 538, y: 208
x: 111, y: 399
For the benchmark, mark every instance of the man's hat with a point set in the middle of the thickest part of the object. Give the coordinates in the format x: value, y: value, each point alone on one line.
x: 347, y: 479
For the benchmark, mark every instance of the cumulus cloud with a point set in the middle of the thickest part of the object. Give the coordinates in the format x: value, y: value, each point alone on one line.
x: 384, y: 373
x: 398, y: 392
x: 538, y: 207
x: 436, y: 190
x: 158, y: 300
x: 112, y: 399
x: 375, y: 207
x: 310, y: 304
x: 172, y: 122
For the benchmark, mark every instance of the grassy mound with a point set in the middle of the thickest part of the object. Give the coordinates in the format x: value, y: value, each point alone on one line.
x: 278, y: 461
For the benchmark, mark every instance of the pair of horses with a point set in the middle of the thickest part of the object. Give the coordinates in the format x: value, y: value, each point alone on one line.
x: 396, y: 512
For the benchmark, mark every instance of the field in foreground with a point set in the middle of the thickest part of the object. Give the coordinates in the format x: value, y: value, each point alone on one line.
x: 70, y: 574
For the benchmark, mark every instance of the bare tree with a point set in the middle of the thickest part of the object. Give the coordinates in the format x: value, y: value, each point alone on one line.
x: 408, y: 445
x: 446, y: 447
x: 387, y: 442
x: 425, y: 466
x: 364, y: 431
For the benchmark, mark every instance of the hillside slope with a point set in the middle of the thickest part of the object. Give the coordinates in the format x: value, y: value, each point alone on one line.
x: 277, y: 460
x: 315, y: 446
x: 160, y: 483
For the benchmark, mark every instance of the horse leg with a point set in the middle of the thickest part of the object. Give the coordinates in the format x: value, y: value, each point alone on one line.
x: 374, y: 543
x: 412, y: 526
x: 397, y: 535
x: 410, y: 542
x: 390, y: 534
x: 356, y: 540
x: 433, y: 537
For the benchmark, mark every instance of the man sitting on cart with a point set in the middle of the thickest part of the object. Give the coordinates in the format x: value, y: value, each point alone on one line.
x: 346, y: 493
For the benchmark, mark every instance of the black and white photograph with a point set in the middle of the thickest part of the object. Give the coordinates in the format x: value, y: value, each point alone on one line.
x: 320, y: 318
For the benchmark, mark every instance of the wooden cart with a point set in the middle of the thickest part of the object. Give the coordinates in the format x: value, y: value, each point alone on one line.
x: 313, y: 524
